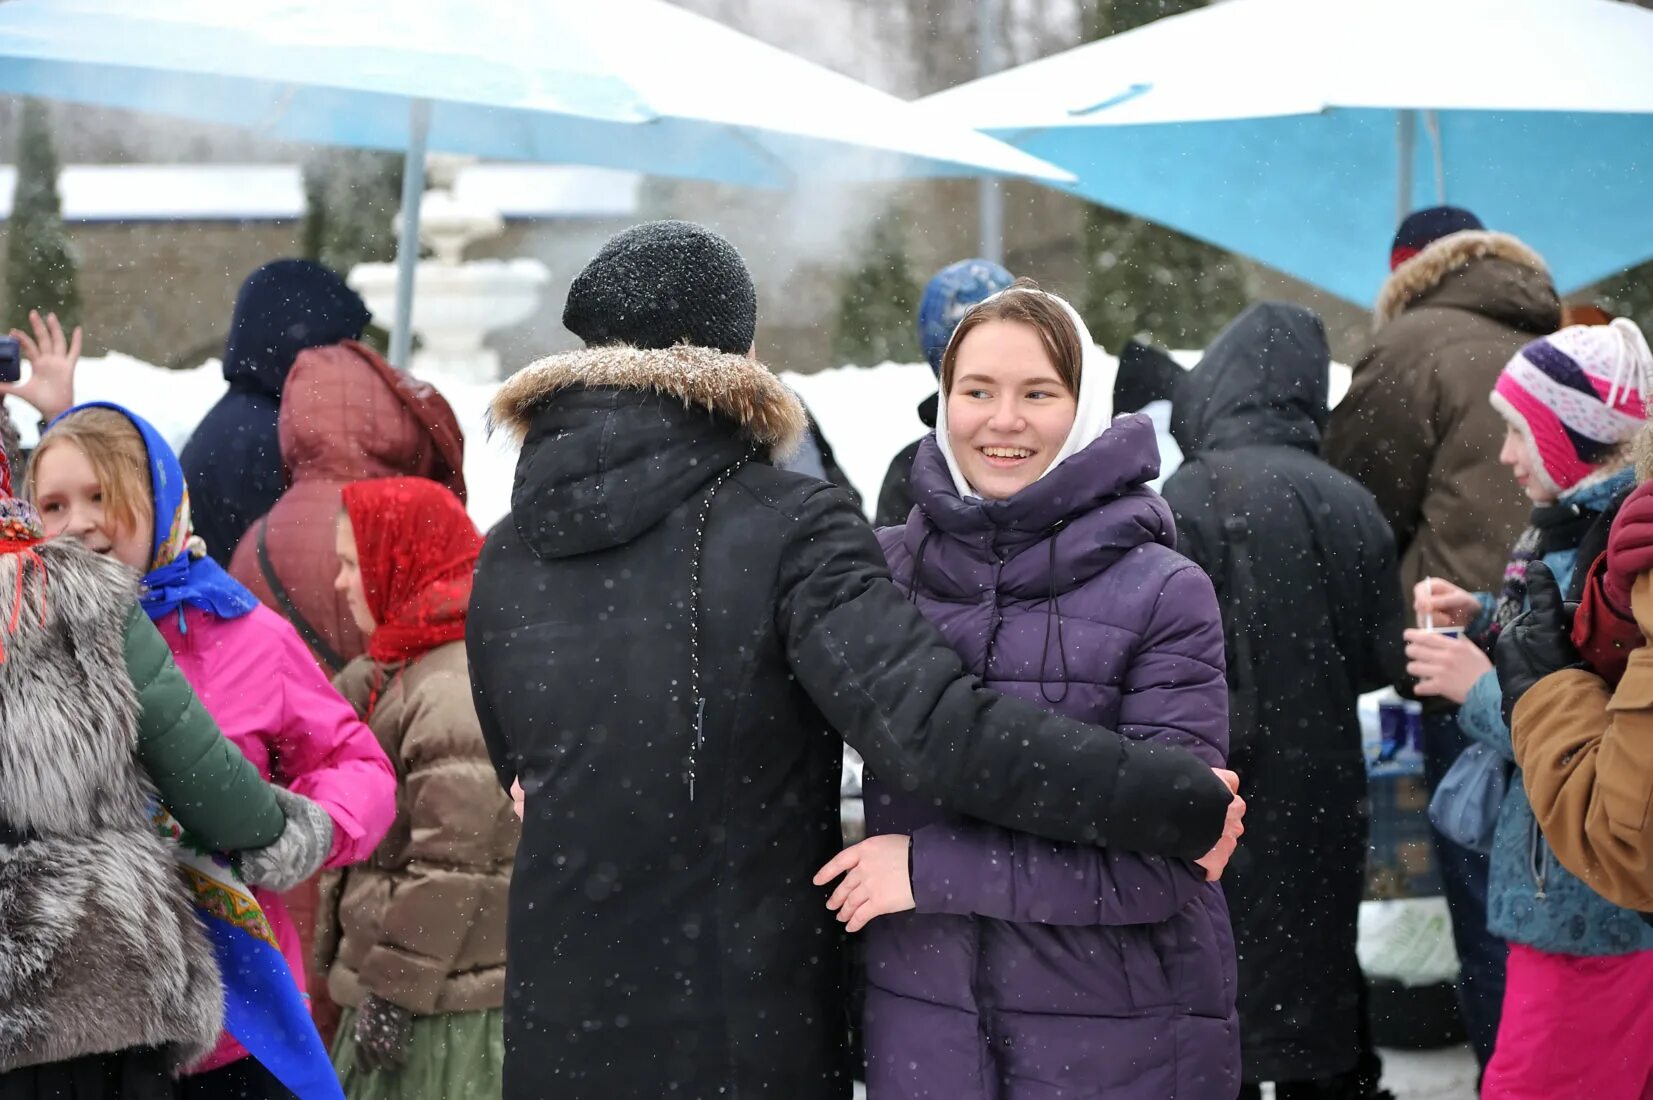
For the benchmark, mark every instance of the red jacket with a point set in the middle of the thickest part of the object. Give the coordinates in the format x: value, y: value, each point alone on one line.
x: 346, y: 415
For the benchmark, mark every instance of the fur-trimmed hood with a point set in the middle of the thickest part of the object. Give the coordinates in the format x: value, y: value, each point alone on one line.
x: 1428, y: 272
x: 614, y: 438
x: 734, y: 386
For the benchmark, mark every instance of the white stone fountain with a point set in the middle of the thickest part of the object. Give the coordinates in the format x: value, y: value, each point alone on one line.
x: 456, y: 302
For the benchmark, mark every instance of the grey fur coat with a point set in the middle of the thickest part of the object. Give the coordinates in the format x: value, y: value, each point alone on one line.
x: 100, y: 948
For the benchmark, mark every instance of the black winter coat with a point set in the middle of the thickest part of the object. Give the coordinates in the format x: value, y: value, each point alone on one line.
x: 895, y: 497
x: 1304, y: 566
x: 672, y: 708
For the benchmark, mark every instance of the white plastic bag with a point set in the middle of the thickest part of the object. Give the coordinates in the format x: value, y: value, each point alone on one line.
x: 1408, y: 940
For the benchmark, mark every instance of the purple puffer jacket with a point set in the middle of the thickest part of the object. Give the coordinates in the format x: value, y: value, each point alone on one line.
x: 1033, y: 969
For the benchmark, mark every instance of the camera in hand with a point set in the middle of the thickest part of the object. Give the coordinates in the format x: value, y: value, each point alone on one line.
x: 11, y: 359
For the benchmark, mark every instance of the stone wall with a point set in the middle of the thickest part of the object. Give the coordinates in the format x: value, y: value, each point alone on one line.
x: 163, y: 291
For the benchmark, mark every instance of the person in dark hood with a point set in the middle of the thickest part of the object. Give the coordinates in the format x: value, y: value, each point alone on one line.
x: 1304, y: 567
x: 947, y: 298
x: 233, y: 460
x: 667, y: 637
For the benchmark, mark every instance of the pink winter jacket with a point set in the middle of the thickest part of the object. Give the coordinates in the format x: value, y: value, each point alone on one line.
x: 259, y: 682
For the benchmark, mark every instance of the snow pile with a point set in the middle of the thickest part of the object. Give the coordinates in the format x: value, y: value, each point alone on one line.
x: 176, y: 400
x: 867, y: 413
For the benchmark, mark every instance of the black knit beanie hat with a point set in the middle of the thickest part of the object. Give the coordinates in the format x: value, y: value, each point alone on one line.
x: 661, y: 284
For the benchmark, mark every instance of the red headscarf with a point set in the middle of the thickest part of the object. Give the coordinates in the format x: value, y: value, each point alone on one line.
x: 417, y: 548
x: 20, y: 533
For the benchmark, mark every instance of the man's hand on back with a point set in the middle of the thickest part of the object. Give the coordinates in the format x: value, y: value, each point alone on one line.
x: 1217, y: 858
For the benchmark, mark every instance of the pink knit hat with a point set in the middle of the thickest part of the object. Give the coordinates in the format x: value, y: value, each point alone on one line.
x: 1578, y: 395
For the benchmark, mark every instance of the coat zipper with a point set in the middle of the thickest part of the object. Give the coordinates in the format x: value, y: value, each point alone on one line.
x: 697, y: 736
x: 1535, y: 853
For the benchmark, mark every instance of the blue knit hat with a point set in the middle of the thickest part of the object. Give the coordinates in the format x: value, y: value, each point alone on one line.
x: 1423, y: 228
x: 949, y: 295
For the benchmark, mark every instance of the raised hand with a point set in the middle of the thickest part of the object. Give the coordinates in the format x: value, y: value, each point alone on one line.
x: 52, y: 360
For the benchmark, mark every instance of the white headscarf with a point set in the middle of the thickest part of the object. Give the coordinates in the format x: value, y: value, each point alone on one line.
x: 1091, y: 418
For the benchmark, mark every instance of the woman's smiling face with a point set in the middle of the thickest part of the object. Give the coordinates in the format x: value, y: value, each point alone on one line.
x: 1008, y: 412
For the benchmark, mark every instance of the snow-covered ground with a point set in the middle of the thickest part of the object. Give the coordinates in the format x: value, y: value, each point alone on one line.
x: 1430, y: 1075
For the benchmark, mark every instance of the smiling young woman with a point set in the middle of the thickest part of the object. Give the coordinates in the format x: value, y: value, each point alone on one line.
x: 1038, y: 549
x: 1010, y: 377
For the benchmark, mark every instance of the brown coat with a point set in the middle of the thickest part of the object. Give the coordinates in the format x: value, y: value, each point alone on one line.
x: 1586, y: 755
x: 1416, y: 427
x: 422, y: 923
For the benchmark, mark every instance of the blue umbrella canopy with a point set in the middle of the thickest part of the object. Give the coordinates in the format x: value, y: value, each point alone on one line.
x: 633, y: 84
x: 1298, y: 132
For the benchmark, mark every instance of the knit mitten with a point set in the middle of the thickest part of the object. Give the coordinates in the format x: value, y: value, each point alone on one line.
x: 1604, y: 635
x: 1629, y: 548
x: 298, y: 852
x: 383, y: 1033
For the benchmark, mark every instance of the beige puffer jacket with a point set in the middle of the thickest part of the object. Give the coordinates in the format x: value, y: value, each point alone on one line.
x: 422, y: 923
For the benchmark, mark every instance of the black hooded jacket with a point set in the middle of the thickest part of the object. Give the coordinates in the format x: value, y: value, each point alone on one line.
x: 232, y: 462
x: 667, y: 637
x: 1305, y: 570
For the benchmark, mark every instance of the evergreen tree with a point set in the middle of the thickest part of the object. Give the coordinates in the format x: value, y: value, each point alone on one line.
x: 1627, y: 294
x: 351, y: 200
x: 878, y: 301
x: 1143, y: 279
x: 40, y: 263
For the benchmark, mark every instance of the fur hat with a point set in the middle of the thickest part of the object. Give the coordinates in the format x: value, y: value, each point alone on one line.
x: 661, y: 284
x: 1579, y: 396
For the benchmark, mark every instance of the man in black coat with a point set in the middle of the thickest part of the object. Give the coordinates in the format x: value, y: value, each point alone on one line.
x: 1304, y: 566
x: 667, y: 638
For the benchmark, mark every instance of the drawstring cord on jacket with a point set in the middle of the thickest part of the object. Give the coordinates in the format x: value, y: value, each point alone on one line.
x: 918, y: 565
x: 1053, y: 616
x: 697, y: 695
x: 380, y: 685
x: 1053, y: 613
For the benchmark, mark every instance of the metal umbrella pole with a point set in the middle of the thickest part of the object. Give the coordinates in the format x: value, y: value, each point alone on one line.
x: 407, y: 244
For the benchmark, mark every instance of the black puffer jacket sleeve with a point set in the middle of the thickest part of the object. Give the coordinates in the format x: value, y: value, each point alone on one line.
x: 898, y: 693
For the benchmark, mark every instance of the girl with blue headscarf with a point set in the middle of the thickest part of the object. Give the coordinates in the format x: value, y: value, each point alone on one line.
x: 105, y: 476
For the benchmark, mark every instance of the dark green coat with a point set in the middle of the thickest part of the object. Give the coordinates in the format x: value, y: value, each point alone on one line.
x: 213, y: 791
